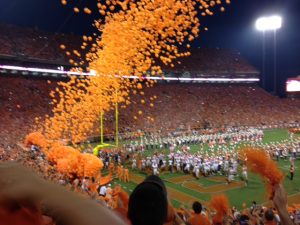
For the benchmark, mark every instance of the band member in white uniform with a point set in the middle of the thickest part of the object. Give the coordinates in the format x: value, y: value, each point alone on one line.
x: 197, y: 170
x: 155, y: 169
x: 134, y: 165
x: 230, y: 175
x: 245, y: 175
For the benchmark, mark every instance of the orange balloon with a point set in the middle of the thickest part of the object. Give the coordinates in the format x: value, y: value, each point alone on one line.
x: 139, y: 86
x: 76, y: 10
x: 87, y: 10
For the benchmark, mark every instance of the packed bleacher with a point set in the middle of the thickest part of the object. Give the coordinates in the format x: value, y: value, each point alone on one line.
x: 34, y: 44
x: 214, y: 62
x: 192, y: 106
x: 21, y: 100
x: 177, y: 107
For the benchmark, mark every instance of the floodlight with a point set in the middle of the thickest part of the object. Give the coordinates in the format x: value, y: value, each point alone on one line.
x: 269, y: 23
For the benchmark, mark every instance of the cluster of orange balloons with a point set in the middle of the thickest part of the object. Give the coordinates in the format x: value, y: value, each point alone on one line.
x: 35, y: 138
x: 69, y: 161
x: 135, y: 37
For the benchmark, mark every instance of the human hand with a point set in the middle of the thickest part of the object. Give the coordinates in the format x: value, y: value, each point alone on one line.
x: 280, y: 202
x: 280, y: 197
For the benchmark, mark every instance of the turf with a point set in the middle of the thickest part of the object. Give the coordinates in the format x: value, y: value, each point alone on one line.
x: 237, y: 196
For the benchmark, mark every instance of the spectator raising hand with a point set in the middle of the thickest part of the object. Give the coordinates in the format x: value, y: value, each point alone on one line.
x: 280, y: 202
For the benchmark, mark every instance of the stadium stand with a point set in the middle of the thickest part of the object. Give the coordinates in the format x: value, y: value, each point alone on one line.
x: 33, y: 45
x: 209, y: 105
x: 211, y: 62
x: 21, y: 100
x: 192, y: 106
x: 29, y: 46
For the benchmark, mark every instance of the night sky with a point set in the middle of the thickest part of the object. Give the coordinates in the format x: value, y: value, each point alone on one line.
x: 232, y: 29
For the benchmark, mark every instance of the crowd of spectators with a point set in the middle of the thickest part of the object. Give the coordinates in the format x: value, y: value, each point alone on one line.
x: 31, y: 43
x: 148, y: 204
x: 21, y: 100
x: 177, y: 107
x: 194, y: 106
x: 214, y: 62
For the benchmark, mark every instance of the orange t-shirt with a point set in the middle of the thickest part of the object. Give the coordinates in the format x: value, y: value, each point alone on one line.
x: 270, y: 223
x: 199, y: 219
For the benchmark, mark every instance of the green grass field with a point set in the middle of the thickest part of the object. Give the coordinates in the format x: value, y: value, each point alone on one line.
x: 204, y: 188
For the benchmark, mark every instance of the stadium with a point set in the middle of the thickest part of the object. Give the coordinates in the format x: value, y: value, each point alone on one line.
x: 139, y: 127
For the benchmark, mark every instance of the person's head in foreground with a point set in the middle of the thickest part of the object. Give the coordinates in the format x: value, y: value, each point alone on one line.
x: 244, y: 220
x: 269, y: 216
x: 148, y: 204
x: 197, y: 207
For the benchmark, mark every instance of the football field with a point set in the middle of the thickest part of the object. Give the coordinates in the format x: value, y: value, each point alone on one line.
x: 183, y: 189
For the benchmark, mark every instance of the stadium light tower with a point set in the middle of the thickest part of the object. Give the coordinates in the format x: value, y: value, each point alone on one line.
x: 265, y: 24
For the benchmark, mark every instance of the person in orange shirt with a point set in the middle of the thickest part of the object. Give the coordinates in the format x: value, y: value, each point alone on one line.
x: 111, y: 168
x: 140, y: 164
x: 93, y: 187
x: 121, y: 175
x: 198, y: 218
x: 126, y: 175
x: 119, y: 172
